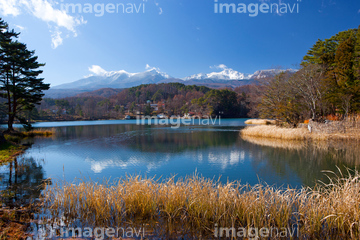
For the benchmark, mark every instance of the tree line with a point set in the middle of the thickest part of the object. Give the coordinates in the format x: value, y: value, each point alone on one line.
x: 169, y: 98
x: 327, y: 83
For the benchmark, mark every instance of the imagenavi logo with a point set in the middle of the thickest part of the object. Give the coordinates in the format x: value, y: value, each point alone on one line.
x: 254, y: 9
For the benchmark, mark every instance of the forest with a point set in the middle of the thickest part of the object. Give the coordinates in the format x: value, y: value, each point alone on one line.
x: 172, y: 99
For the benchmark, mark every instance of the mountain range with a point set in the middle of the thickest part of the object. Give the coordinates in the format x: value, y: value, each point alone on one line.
x: 123, y: 79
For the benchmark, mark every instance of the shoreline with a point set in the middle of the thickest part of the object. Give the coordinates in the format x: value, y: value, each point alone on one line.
x: 101, y: 119
x: 9, y: 151
x: 12, y: 146
x: 298, y: 134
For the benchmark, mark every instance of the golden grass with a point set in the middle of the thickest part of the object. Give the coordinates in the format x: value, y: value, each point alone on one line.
x: 276, y: 132
x: 18, y: 136
x: 260, y: 122
x: 39, y: 132
x: 196, y: 204
x: 283, y: 133
x: 346, y: 129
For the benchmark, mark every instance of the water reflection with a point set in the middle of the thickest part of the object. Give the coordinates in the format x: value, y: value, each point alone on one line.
x: 307, y: 160
x: 116, y: 150
x: 21, y: 181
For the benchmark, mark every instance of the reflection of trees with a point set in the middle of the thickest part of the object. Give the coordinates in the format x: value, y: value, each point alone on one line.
x: 193, y: 139
x: 97, y: 131
x: 307, y: 162
x: 22, y: 182
x: 149, y: 138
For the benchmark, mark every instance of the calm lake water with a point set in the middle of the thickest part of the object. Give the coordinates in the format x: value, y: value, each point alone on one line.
x: 112, y: 149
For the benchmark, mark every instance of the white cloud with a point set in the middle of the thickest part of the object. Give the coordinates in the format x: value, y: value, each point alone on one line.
x: 9, y: 7
x: 44, y: 10
x: 21, y: 28
x: 148, y: 67
x: 97, y: 70
x: 220, y: 66
x: 56, y: 39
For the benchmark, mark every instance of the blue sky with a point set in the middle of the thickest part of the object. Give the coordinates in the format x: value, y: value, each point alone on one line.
x: 180, y: 37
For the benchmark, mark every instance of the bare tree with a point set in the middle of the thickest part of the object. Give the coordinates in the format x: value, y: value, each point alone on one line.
x: 346, y: 104
x: 307, y: 83
x: 279, y: 100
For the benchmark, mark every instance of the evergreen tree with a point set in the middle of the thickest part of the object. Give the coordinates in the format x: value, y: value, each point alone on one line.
x: 356, y: 64
x: 323, y: 52
x: 343, y: 65
x: 19, y: 82
x: 339, y: 56
x: 148, y: 110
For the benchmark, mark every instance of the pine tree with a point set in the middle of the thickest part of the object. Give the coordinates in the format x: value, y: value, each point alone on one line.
x: 323, y: 52
x: 19, y: 71
x: 345, y: 90
x: 356, y: 64
x: 344, y: 65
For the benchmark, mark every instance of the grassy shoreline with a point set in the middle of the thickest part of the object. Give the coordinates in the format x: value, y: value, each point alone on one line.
x: 12, y: 148
x: 8, y: 151
x: 275, y: 132
x: 15, y: 220
x: 196, y: 205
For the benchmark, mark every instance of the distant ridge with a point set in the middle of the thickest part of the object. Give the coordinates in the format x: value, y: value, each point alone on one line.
x: 102, y: 92
x: 108, y: 83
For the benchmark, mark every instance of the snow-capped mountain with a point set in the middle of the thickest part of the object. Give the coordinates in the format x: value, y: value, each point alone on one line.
x: 101, y: 78
x: 230, y: 74
x: 225, y: 74
x: 116, y: 79
x: 269, y: 73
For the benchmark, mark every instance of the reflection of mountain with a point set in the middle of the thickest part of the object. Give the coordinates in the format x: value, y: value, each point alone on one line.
x: 226, y: 159
x: 22, y: 180
x: 127, y: 160
x: 221, y: 157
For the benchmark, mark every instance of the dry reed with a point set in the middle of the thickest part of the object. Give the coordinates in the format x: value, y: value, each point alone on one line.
x: 260, y: 122
x: 197, y: 204
x: 38, y: 132
x: 283, y: 133
x: 276, y: 132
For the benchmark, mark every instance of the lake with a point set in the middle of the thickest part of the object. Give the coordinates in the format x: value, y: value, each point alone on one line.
x: 111, y: 149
